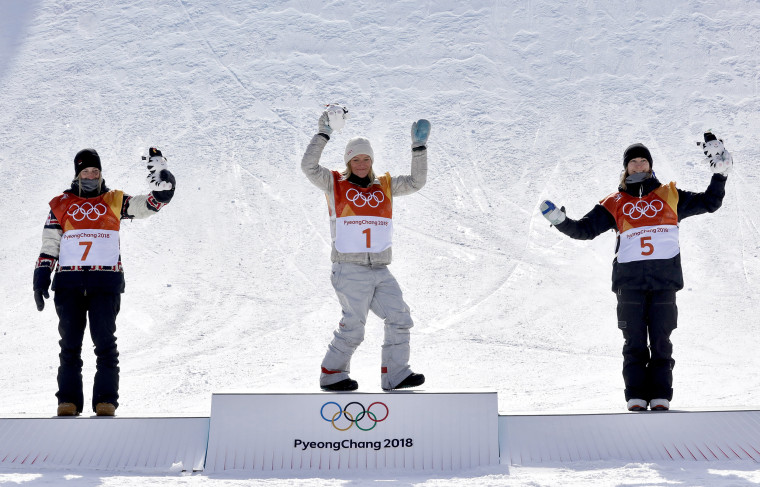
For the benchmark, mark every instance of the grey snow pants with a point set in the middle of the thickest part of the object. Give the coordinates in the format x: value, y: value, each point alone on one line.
x: 362, y: 288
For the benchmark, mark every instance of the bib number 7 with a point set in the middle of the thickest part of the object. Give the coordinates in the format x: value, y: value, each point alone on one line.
x: 87, y: 247
x: 647, y: 246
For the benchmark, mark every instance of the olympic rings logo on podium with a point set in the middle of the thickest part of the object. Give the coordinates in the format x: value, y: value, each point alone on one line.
x: 642, y: 208
x: 362, y: 418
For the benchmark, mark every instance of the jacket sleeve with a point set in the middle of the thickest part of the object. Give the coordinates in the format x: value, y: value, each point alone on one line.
x: 140, y: 206
x: 403, y: 185
x: 690, y: 203
x: 51, y: 242
x: 320, y: 176
x: 593, y: 224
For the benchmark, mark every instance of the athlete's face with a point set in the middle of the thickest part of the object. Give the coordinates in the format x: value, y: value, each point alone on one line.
x: 637, y: 165
x: 90, y: 173
x: 361, y: 165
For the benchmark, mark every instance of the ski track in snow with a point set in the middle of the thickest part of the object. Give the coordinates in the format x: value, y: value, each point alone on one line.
x: 228, y: 287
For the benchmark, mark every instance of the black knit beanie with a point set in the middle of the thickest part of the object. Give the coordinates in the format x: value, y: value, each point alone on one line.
x: 636, y: 150
x: 86, y: 158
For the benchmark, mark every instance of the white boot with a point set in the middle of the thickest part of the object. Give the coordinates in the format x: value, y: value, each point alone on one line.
x: 637, y: 405
x: 659, y: 405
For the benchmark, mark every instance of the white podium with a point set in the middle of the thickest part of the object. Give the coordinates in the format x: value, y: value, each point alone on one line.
x: 699, y: 436
x: 144, y: 444
x: 417, y: 430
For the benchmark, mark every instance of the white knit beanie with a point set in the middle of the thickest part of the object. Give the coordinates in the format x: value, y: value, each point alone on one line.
x: 356, y: 146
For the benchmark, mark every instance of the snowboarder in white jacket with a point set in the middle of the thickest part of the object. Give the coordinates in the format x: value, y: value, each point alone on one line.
x: 360, y: 205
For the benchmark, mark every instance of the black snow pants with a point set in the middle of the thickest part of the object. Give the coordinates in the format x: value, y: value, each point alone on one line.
x: 647, y: 369
x: 73, y: 308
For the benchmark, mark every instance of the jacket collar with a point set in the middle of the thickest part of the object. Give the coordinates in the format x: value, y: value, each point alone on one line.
x: 643, y: 188
x: 74, y: 189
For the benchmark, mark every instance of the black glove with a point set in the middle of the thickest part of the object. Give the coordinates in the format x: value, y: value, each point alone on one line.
x: 41, y: 284
x: 166, y: 195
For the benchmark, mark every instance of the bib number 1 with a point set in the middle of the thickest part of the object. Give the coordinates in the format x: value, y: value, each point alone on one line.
x: 368, y: 233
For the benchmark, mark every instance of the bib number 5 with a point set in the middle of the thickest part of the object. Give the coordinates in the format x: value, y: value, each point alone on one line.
x: 646, y: 245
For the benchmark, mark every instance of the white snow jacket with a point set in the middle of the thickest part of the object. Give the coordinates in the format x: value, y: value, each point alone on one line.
x: 322, y: 178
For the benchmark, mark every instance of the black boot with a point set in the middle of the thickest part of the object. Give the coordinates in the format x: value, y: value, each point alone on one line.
x: 413, y: 380
x: 341, y: 386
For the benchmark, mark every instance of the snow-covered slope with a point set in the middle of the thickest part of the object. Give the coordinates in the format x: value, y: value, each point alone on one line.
x: 228, y: 287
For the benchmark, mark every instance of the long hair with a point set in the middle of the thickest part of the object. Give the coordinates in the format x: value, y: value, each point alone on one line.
x: 623, y: 175
x: 347, y: 171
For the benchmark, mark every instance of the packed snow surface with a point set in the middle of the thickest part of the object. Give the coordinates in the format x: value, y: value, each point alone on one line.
x: 228, y: 287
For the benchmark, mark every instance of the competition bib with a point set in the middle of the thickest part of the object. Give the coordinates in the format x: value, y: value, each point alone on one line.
x: 647, y: 227
x: 89, y: 247
x: 90, y: 229
x: 363, y: 220
x: 645, y: 243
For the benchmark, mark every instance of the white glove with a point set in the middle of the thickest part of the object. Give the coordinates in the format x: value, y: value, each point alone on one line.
x: 552, y: 213
x: 717, y: 157
x: 324, y: 124
x: 337, y: 116
x: 156, y: 164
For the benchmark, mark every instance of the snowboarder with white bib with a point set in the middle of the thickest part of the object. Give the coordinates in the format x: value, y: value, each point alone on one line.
x: 360, y: 205
x: 80, y: 246
x: 646, y: 271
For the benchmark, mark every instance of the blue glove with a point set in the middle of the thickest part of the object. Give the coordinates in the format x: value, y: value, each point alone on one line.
x: 420, y: 133
x: 552, y: 213
x: 324, y: 124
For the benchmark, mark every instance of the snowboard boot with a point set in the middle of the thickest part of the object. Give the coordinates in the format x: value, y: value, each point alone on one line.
x: 659, y: 405
x: 412, y: 380
x: 67, y: 409
x: 105, y: 409
x: 344, y: 385
x: 637, y: 405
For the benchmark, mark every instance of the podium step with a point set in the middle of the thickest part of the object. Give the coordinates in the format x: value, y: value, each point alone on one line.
x: 150, y: 444
x: 353, y: 431
x: 702, y: 436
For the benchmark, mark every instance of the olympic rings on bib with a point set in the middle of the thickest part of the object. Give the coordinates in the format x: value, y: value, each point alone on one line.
x: 642, y: 208
x: 360, y: 199
x: 86, y: 210
x: 355, y: 417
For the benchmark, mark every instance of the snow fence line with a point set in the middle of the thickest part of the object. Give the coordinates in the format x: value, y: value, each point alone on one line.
x: 409, y: 430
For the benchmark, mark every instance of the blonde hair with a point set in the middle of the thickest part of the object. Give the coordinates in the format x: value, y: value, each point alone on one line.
x: 623, y: 175
x: 347, y: 171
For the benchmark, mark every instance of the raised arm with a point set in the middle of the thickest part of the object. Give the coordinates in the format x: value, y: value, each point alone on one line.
x: 320, y: 176
x: 403, y: 185
x: 720, y: 163
x: 162, y: 184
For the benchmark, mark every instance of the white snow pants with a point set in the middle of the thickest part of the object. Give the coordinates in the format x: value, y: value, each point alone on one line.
x: 361, y: 288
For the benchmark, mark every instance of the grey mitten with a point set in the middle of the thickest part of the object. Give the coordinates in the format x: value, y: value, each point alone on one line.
x: 552, y: 213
